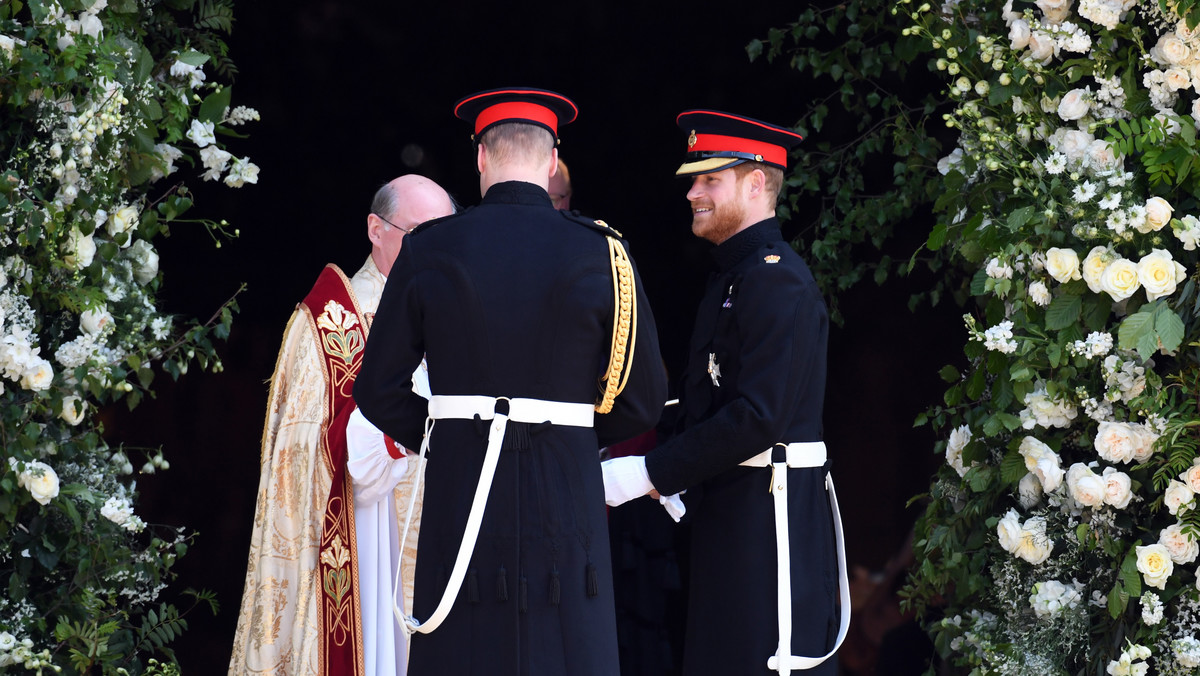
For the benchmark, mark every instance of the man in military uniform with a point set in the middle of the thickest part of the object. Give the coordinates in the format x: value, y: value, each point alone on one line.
x: 764, y: 563
x: 541, y: 348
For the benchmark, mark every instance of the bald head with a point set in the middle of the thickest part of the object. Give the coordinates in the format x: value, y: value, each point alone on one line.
x: 399, y: 206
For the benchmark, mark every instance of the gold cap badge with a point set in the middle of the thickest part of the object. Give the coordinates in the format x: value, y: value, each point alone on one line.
x: 692, y: 139
x: 773, y: 258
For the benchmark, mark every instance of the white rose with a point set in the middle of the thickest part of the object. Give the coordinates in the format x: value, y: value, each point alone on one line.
x: 145, y: 261
x: 1039, y: 294
x: 1062, y: 264
x: 1120, y: 279
x: 1102, y: 157
x: 1074, y: 104
x: 1143, y: 441
x: 1009, y: 531
x: 40, y: 480
x: 1073, y: 143
x: 1084, y: 486
x: 124, y: 220
x: 37, y: 376
x: 1159, y: 274
x: 1043, y: 462
x: 1035, y: 546
x: 116, y: 510
x: 1191, y: 476
x: 1117, y: 488
x: 79, y: 250
x: 1029, y: 491
x: 1178, y: 497
x: 1181, y: 547
x: 1158, y: 214
x: 1041, y: 47
x: 959, y: 438
x: 1171, y: 50
x: 1055, y: 11
x: 73, y: 409
x: 1018, y: 34
x: 1154, y: 563
x: 1178, y: 78
x: 95, y: 320
x: 1115, y: 442
x: 90, y: 25
x: 1093, y: 267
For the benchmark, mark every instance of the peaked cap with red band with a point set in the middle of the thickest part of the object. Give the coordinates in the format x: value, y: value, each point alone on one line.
x: 719, y: 141
x: 542, y: 107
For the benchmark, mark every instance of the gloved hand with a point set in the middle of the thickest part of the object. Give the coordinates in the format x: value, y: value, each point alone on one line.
x: 625, y: 479
x: 674, y: 505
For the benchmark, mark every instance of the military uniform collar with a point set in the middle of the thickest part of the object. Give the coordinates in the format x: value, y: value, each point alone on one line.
x: 517, y: 192
x: 733, y: 250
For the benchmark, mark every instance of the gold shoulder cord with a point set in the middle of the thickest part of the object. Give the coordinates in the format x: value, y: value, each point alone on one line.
x: 624, y: 326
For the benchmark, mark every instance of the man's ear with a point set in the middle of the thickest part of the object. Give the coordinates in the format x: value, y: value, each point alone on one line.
x: 553, y: 161
x: 375, y: 227
x: 756, y: 182
x: 480, y: 158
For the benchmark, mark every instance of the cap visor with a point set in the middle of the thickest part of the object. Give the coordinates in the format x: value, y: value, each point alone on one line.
x: 707, y: 165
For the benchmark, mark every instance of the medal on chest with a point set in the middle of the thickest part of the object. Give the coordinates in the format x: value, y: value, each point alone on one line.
x: 714, y: 369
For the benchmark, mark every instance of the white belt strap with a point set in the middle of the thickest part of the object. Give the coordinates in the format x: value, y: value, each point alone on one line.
x: 811, y: 454
x: 467, y: 407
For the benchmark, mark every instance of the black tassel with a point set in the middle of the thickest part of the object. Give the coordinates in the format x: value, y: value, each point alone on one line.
x: 502, y: 585
x: 555, y: 587
x: 472, y: 587
x: 523, y: 595
x: 593, y: 581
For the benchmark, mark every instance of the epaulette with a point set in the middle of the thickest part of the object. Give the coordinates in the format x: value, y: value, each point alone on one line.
x: 421, y: 227
x: 595, y: 224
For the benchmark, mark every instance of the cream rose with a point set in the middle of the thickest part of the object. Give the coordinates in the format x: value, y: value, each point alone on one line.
x: 73, y: 409
x: 1084, y: 486
x: 1093, y: 267
x: 1055, y: 11
x: 1043, y: 462
x: 1041, y: 47
x: 1117, y: 488
x: 1171, y: 50
x: 1158, y: 214
x: 959, y: 438
x: 94, y: 320
x: 121, y: 221
x: 1154, y: 563
x: 1143, y: 442
x: 1181, y: 547
x: 1018, y: 34
x: 39, y: 479
x: 79, y: 250
x: 1029, y: 491
x: 1159, y: 274
x: 37, y: 376
x: 1072, y: 143
x: 1074, y: 104
x: 1035, y: 546
x: 1178, y: 497
x: 1062, y: 264
x: 1191, y: 476
x: 1115, y: 442
x: 1120, y: 279
x: 1178, y: 78
x: 145, y: 261
x: 1009, y: 531
x: 1039, y: 294
x: 1102, y: 157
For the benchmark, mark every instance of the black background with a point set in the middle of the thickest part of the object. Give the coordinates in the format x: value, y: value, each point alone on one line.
x: 353, y: 94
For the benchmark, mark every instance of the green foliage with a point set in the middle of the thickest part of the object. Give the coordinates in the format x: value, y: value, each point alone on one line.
x: 99, y: 100
x: 868, y: 162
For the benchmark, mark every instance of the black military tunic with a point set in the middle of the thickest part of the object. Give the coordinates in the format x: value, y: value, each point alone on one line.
x: 511, y: 299
x: 755, y: 377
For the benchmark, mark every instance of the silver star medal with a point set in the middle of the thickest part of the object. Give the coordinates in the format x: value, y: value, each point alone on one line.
x: 714, y: 369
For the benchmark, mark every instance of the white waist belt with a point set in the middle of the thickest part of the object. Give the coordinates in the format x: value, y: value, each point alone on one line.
x: 466, y: 407
x: 799, y: 455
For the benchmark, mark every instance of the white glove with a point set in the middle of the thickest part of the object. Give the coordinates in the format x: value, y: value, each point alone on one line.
x: 374, y: 473
x: 674, y: 505
x: 625, y: 479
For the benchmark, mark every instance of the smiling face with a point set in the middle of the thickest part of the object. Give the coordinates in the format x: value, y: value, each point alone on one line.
x: 718, y: 201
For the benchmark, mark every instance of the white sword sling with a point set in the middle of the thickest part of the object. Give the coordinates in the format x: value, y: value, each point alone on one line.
x: 810, y: 454
x: 466, y: 407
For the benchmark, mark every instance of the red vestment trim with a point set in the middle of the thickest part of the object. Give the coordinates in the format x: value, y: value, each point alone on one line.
x: 335, y: 318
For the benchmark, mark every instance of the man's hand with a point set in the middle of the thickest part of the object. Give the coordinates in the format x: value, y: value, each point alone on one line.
x: 625, y: 479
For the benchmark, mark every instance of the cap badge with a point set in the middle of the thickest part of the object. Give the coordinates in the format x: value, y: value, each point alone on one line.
x: 692, y: 139
x: 773, y: 258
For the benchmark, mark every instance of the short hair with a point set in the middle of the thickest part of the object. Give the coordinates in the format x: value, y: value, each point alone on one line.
x: 774, y: 176
x: 384, y: 202
x: 518, y: 142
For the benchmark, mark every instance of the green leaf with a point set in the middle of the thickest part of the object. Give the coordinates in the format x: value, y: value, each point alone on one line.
x: 1135, y: 327
x: 215, y: 104
x: 1012, y: 468
x: 193, y: 58
x: 949, y: 374
x: 1063, y: 311
x: 937, y: 238
x: 1168, y: 327
x: 1019, y: 217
